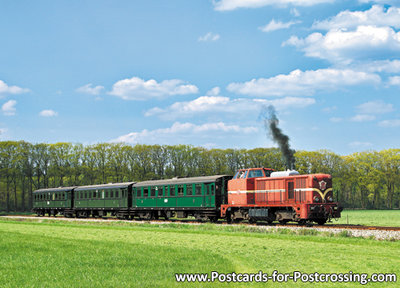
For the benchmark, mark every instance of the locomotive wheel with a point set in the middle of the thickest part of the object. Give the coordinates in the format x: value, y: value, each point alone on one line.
x: 321, y: 221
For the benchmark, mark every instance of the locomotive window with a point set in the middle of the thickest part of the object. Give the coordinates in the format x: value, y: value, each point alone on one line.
x: 180, y: 190
x: 255, y: 173
x: 198, y: 189
x: 152, y: 191
x: 267, y: 172
x: 172, y: 190
x: 189, y: 189
x: 145, y: 192
x: 245, y: 174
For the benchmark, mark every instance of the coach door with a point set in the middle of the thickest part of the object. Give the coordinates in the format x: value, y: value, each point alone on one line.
x: 290, y: 191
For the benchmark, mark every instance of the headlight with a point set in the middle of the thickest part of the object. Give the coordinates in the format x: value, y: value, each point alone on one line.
x: 330, y: 199
x: 316, y: 199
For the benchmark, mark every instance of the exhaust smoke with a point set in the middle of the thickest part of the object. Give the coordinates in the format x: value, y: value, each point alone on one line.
x: 271, y: 124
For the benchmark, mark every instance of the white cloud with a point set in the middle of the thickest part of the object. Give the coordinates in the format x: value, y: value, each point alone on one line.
x: 8, y: 108
x: 376, y: 16
x: 48, y: 113
x: 3, y: 132
x: 295, y: 12
x: 363, y: 118
x: 214, y: 91
x: 336, y: 119
x: 277, y: 25
x: 209, y: 37
x: 228, y: 5
x: 360, y: 144
x: 88, y: 89
x: 388, y: 66
x: 395, y: 80
x: 139, y: 89
x: 390, y: 123
x: 184, y: 132
x: 375, y: 107
x: 365, y: 42
x: 303, y: 83
x: 220, y: 104
x: 5, y: 89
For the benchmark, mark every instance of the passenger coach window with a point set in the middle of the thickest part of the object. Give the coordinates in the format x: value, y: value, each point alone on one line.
x: 198, y: 189
x: 189, y: 189
x: 111, y: 194
x: 117, y: 194
x: 180, y: 190
x: 138, y: 192
x: 153, y: 192
x: 145, y: 192
x: 172, y: 190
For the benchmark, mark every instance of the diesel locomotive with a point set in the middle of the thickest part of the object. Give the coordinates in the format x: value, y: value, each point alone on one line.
x: 255, y: 194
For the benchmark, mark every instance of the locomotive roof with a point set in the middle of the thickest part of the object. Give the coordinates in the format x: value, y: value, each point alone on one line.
x: 105, y: 186
x: 59, y: 189
x: 202, y: 179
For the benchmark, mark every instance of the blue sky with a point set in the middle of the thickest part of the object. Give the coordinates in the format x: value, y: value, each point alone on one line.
x: 199, y: 72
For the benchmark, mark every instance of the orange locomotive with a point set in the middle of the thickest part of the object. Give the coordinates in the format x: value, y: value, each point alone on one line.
x: 261, y: 194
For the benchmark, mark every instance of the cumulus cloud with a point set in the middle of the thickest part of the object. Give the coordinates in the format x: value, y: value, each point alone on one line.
x: 5, y: 89
x: 377, y: 15
x: 220, y: 104
x: 344, y: 46
x: 395, y: 80
x: 209, y: 37
x: 390, y: 123
x: 228, y: 5
x: 277, y: 25
x: 375, y: 107
x: 184, y: 132
x: 139, y: 89
x: 88, y: 89
x: 48, y: 113
x: 387, y: 66
x: 8, y: 108
x: 363, y: 118
x: 300, y: 82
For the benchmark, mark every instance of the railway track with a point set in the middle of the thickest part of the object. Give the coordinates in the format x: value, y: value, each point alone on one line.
x: 191, y: 221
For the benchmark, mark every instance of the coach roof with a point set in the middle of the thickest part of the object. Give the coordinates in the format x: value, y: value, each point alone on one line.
x: 173, y: 181
x: 105, y: 186
x: 59, y: 189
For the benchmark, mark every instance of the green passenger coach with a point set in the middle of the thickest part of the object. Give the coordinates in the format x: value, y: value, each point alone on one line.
x: 52, y: 200
x: 98, y: 200
x: 200, y: 197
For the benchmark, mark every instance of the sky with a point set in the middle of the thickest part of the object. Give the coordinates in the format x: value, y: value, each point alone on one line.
x: 201, y: 72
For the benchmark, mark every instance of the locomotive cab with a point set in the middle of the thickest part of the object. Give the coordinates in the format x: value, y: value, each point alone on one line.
x: 241, y: 187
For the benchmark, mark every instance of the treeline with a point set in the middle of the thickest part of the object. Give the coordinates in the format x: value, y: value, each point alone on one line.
x: 361, y: 180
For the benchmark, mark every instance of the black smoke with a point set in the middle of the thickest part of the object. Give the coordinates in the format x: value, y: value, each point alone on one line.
x: 271, y: 124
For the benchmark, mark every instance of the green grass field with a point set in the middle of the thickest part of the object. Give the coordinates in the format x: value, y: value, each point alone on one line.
x: 43, y: 253
x: 370, y: 217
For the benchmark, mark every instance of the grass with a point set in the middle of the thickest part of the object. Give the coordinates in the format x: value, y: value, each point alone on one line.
x: 370, y: 217
x: 53, y: 253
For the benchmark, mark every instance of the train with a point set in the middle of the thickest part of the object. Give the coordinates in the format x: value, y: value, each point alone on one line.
x: 253, y: 195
